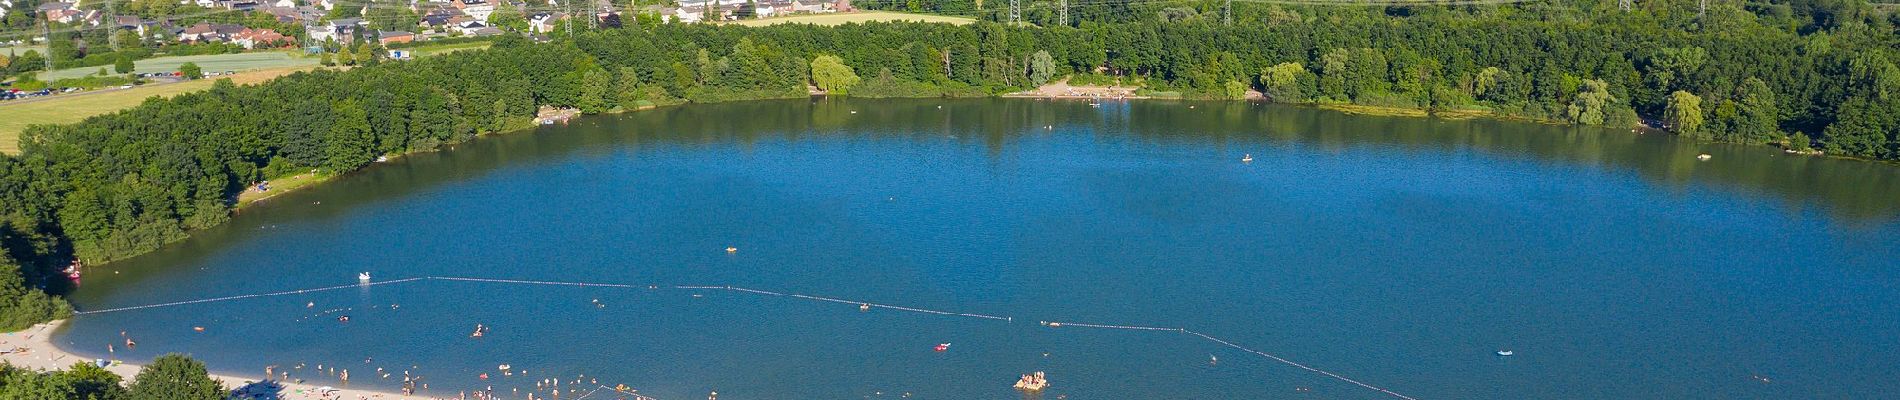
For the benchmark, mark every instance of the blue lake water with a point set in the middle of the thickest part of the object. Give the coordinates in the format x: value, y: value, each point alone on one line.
x: 1402, y: 253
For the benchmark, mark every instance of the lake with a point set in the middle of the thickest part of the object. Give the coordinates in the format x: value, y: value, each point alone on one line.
x: 1403, y: 253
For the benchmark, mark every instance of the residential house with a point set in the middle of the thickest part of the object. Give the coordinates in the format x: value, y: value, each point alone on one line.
x: 804, y: 6
x: 545, y: 21
x: 342, y: 30
x: 240, y: 5
x: 393, y: 37
x: 205, y: 32
x: 255, y: 38
x: 198, y: 33
x: 130, y: 23
x: 67, y: 13
x: 439, y: 21
x: 478, y: 9
x: 489, y: 31
x: 469, y: 27
x: 284, y: 15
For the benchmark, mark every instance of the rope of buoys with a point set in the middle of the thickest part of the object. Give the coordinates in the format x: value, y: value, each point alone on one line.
x: 1299, y: 365
x: 755, y: 291
x: 770, y: 293
x: 900, y: 308
x: 247, y: 296
x: 553, y: 283
x: 1129, y: 327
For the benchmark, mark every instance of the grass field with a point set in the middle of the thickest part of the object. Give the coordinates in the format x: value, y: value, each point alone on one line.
x: 860, y: 16
x: 438, y: 49
x: 63, y: 109
x: 11, y: 51
x: 281, y: 186
x: 213, y: 62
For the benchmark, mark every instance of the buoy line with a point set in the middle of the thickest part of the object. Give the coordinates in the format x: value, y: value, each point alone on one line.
x: 1047, y: 323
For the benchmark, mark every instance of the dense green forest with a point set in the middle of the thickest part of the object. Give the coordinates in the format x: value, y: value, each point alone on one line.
x: 1798, y: 74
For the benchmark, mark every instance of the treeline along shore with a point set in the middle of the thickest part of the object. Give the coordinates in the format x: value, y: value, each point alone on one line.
x: 1803, y: 75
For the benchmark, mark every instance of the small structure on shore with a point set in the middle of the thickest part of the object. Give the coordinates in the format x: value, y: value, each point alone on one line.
x: 1032, y: 382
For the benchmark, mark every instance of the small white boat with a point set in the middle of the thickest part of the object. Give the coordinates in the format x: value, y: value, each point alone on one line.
x: 363, y: 277
x: 1247, y: 158
x: 1506, y: 353
x: 1704, y: 157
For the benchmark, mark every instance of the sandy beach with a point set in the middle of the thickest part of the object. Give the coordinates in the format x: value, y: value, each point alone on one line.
x: 33, y: 349
x: 1063, y: 90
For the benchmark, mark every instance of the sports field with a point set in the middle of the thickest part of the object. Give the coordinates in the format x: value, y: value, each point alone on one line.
x: 210, y: 63
x: 439, y: 49
x: 859, y: 16
x: 68, y: 108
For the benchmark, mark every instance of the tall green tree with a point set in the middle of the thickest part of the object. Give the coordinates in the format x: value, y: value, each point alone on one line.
x: 628, y: 91
x: 349, y: 144
x: 123, y: 65
x: 831, y: 75
x: 345, y: 57
x: 1591, y: 104
x: 175, y: 377
x: 191, y: 71
x: 1684, y: 115
x: 21, y: 306
x: 596, y: 85
x: 1042, y: 68
x: 1286, y: 82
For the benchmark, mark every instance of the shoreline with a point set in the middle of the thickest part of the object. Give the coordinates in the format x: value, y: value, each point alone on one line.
x: 33, y: 349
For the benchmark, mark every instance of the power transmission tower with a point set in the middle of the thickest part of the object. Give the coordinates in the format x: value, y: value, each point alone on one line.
x: 1701, y: 7
x: 1063, y: 13
x: 47, y: 28
x: 593, y: 14
x: 112, y: 24
x: 1227, y: 12
x: 1015, y: 11
x: 1626, y: 5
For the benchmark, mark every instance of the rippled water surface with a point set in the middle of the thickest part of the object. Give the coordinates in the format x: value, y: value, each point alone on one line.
x: 1398, y: 252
